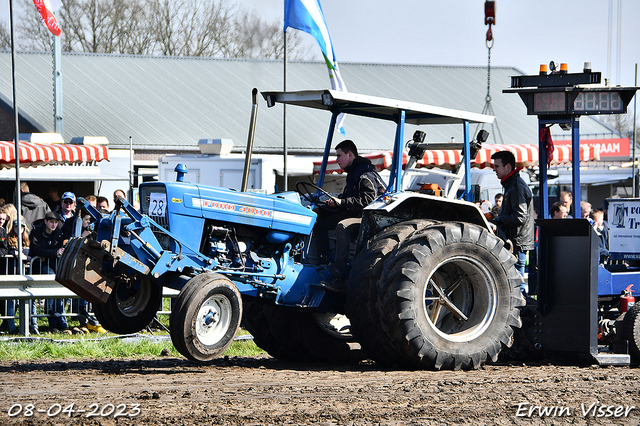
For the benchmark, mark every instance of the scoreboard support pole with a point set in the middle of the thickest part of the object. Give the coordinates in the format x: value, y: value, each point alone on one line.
x: 575, y: 162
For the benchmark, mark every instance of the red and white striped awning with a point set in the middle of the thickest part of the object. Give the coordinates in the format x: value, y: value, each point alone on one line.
x: 37, y: 154
x: 526, y: 156
x: 381, y: 160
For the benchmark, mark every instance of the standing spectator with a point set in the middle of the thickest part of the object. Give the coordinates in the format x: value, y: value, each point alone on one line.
x: 118, y: 193
x: 68, y: 207
x: 2, y: 202
x: 33, y: 207
x: 515, y: 219
x: 601, y: 227
x: 558, y: 210
x: 496, y: 207
x: 54, y: 201
x: 92, y: 200
x: 46, y: 243
x: 3, y: 219
x: 12, y: 242
x: 103, y: 204
x: 65, y: 222
x: 585, y: 208
x: 566, y: 199
x: 6, y: 223
x: 66, y: 215
x: 7, y: 306
x: 12, y: 214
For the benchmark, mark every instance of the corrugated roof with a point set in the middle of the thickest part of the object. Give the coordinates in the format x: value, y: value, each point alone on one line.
x: 175, y: 101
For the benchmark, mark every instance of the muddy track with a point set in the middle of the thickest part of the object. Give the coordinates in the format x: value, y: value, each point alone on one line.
x: 262, y: 390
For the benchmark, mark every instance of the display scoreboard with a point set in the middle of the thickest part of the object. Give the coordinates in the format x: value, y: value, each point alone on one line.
x: 563, y: 94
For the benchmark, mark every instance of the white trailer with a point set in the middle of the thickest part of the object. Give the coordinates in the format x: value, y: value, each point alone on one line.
x: 223, y: 171
x: 216, y: 166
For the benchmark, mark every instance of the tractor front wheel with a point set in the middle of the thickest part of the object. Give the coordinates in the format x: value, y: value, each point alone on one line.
x: 206, y: 317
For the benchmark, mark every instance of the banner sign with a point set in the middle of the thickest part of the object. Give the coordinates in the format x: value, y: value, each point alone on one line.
x: 624, y: 228
x: 608, y: 148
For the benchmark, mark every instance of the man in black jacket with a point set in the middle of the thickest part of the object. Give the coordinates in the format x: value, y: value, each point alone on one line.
x: 362, y: 187
x: 515, y: 220
x: 46, y: 244
x: 33, y: 207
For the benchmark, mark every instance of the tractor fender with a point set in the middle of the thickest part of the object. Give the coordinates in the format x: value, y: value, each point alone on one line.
x: 391, y: 209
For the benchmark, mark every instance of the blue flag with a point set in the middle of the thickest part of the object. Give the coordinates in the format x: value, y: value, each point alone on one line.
x: 307, y: 16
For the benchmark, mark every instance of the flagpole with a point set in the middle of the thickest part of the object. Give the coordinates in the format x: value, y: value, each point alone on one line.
x: 284, y: 115
x: 58, y: 120
x: 16, y: 142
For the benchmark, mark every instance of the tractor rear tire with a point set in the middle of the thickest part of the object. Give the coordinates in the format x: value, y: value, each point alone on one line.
x: 449, y: 297
x: 130, y: 307
x: 206, y: 318
x: 362, y: 291
x: 312, y: 337
x: 631, y: 332
x: 297, y: 335
x: 257, y: 324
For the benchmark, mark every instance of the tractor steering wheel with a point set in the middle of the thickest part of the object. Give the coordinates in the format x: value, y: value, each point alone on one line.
x: 303, y: 188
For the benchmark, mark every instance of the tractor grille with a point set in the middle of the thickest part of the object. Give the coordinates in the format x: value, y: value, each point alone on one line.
x: 153, y: 202
x: 161, y: 220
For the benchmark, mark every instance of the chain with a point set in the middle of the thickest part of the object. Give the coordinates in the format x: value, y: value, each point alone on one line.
x: 488, y: 98
x: 488, y: 108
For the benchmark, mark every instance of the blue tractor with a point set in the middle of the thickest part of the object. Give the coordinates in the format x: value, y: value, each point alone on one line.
x: 431, y: 285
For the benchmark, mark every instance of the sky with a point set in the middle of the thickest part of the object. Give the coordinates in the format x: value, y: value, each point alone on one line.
x: 452, y: 32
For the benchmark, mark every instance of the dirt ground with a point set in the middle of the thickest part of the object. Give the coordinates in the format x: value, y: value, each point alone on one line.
x: 262, y: 390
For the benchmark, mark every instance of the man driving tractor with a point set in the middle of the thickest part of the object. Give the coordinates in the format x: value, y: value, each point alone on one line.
x: 344, y: 215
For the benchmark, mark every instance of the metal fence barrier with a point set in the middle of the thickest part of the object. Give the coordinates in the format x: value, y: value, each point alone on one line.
x: 34, y: 286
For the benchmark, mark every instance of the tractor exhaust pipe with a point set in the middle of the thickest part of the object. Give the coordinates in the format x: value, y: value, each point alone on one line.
x: 252, y: 132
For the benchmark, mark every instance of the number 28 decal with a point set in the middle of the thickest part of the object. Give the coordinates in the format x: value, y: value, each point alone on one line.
x: 158, y: 204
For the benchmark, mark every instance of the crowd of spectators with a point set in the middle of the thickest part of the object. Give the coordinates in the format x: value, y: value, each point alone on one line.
x: 45, y: 228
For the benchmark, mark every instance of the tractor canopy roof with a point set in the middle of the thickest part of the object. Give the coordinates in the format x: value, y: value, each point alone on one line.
x: 374, y: 107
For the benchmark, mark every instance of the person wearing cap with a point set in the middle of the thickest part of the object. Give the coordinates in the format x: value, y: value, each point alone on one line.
x: 46, y: 245
x: 33, y: 207
x: 67, y: 208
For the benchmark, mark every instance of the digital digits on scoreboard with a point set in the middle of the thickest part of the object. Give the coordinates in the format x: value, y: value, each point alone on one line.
x: 609, y: 102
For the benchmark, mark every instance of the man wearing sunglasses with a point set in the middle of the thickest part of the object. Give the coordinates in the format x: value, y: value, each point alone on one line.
x: 67, y: 208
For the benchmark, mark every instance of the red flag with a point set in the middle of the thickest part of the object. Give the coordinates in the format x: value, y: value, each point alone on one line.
x: 49, y: 19
x: 545, y: 137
